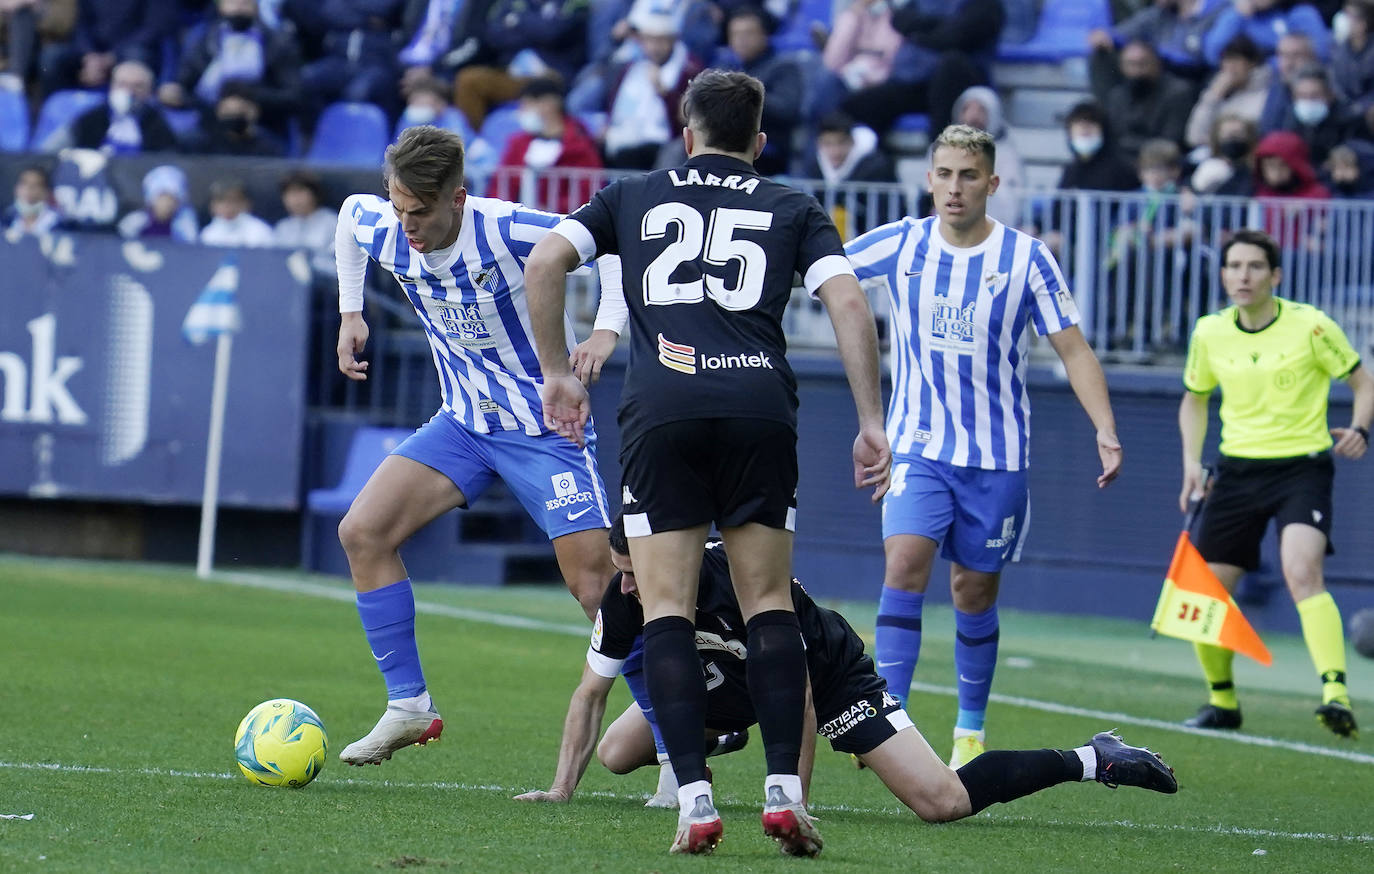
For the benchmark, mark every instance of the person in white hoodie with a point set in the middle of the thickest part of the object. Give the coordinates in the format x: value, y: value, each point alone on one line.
x: 847, y: 153
x: 980, y: 107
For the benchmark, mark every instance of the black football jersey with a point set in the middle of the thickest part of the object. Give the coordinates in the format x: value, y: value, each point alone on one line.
x: 840, y: 671
x: 710, y: 251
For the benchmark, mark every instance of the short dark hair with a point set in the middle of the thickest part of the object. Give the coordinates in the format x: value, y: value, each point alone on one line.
x: 427, y: 160
x: 1243, y: 47
x: 1252, y: 237
x: 237, y: 88
x: 41, y: 171
x: 432, y: 85
x: 304, y: 179
x: 726, y: 107
x: 836, y: 123
x: 1087, y: 110
x: 1317, y: 72
x: 542, y: 87
x: 766, y: 19
x: 615, y: 536
x: 229, y: 186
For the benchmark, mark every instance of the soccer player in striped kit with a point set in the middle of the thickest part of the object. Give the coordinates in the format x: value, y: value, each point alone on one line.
x: 460, y: 262
x: 963, y: 288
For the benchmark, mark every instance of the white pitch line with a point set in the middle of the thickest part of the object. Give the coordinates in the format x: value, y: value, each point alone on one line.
x: 725, y: 800
x: 1116, y: 718
x: 302, y: 587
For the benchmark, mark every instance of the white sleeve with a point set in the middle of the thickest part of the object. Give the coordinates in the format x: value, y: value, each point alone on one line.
x: 350, y: 260
x: 611, y: 312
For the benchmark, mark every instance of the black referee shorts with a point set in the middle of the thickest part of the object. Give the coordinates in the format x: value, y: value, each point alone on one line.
x: 698, y: 471
x: 1248, y: 492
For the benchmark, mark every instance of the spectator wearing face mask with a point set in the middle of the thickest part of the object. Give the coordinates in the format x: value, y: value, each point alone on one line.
x: 236, y: 46
x: 32, y: 212
x: 1294, y: 53
x: 1239, y: 88
x: 127, y: 123
x: 549, y: 138
x: 427, y: 103
x: 644, y: 100
x: 1097, y: 164
x: 1142, y: 101
x: 1227, y: 171
x: 166, y: 212
x: 234, y: 129
x: 1315, y: 116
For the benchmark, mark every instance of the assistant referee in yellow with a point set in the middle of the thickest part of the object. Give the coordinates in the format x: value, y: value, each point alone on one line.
x: 1274, y: 360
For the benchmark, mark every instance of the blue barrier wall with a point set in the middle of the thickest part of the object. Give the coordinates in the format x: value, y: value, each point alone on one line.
x: 101, y: 397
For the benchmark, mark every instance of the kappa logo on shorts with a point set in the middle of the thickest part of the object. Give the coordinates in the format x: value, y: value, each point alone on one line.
x: 565, y: 492
x: 677, y: 356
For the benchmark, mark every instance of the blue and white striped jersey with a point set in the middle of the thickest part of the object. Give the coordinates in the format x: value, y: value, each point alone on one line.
x: 471, y: 303
x: 958, y: 353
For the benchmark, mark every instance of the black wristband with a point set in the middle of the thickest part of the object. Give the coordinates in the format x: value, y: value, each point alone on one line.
x: 1363, y: 432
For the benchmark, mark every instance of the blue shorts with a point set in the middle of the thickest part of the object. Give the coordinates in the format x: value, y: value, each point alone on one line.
x: 557, y: 483
x: 979, y: 517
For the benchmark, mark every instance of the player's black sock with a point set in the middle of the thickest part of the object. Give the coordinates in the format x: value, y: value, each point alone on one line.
x: 1006, y: 775
x: 776, y: 669
x: 677, y: 689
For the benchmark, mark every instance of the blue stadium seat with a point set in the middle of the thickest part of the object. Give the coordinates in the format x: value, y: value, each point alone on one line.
x: 350, y: 133
x: 500, y: 125
x: 59, y: 110
x: 795, y: 31
x: 1062, y: 32
x: 14, y: 120
x: 912, y: 123
x: 325, y: 507
x: 181, y: 121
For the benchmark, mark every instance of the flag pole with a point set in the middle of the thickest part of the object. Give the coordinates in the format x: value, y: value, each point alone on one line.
x: 214, y: 444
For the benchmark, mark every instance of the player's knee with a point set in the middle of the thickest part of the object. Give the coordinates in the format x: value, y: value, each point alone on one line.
x: 357, y: 536
x: 941, y: 803
x: 906, y: 569
x: 612, y: 755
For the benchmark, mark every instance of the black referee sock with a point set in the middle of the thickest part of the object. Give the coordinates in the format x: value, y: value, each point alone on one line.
x: 776, y: 669
x: 1006, y: 775
x: 677, y: 689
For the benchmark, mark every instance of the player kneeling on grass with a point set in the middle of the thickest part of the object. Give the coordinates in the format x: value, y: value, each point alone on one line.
x: 856, y: 713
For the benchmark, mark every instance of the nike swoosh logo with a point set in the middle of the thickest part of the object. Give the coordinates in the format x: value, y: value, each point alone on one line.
x: 573, y: 517
x: 382, y: 658
x: 913, y: 273
x: 964, y: 679
x: 887, y: 664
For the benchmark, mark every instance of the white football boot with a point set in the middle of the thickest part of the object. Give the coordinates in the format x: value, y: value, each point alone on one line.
x: 399, y: 727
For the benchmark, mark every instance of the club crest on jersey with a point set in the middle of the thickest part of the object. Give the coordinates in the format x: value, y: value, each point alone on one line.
x: 996, y: 282
x: 464, y: 324
x: 485, y: 279
x: 677, y: 356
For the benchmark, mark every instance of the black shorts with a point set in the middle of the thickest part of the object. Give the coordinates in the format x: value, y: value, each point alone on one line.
x: 864, y: 724
x: 1247, y: 492
x: 697, y: 471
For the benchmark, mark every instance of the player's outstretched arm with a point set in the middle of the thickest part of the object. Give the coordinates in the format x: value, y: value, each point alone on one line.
x: 566, y: 404
x: 353, y: 333
x: 1192, y: 427
x: 1090, y: 386
x: 580, y: 730
x: 857, y: 340
x: 1352, y: 442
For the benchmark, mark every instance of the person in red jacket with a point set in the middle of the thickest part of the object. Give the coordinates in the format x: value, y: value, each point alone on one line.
x: 549, y: 140
x: 1284, y: 172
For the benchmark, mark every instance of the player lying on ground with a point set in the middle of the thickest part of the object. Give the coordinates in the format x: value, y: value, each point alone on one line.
x: 856, y: 713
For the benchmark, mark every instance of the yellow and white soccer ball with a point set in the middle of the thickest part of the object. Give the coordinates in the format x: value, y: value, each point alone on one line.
x: 280, y: 743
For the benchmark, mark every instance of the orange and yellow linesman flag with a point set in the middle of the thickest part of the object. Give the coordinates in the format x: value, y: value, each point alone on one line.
x: 1194, y: 605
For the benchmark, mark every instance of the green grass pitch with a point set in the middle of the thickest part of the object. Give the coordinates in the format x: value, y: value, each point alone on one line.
x: 121, y: 687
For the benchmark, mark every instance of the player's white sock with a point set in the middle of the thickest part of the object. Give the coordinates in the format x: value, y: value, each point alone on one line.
x: 790, y: 784
x: 420, y: 703
x: 687, y: 795
x: 980, y: 733
x: 1089, y: 758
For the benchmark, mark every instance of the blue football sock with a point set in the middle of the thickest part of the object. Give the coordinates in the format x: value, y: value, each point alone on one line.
x: 634, y: 678
x: 898, y: 639
x: 388, y: 616
x: 975, y: 659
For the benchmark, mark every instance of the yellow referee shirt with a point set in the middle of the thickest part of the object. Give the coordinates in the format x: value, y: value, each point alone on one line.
x: 1274, y: 381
